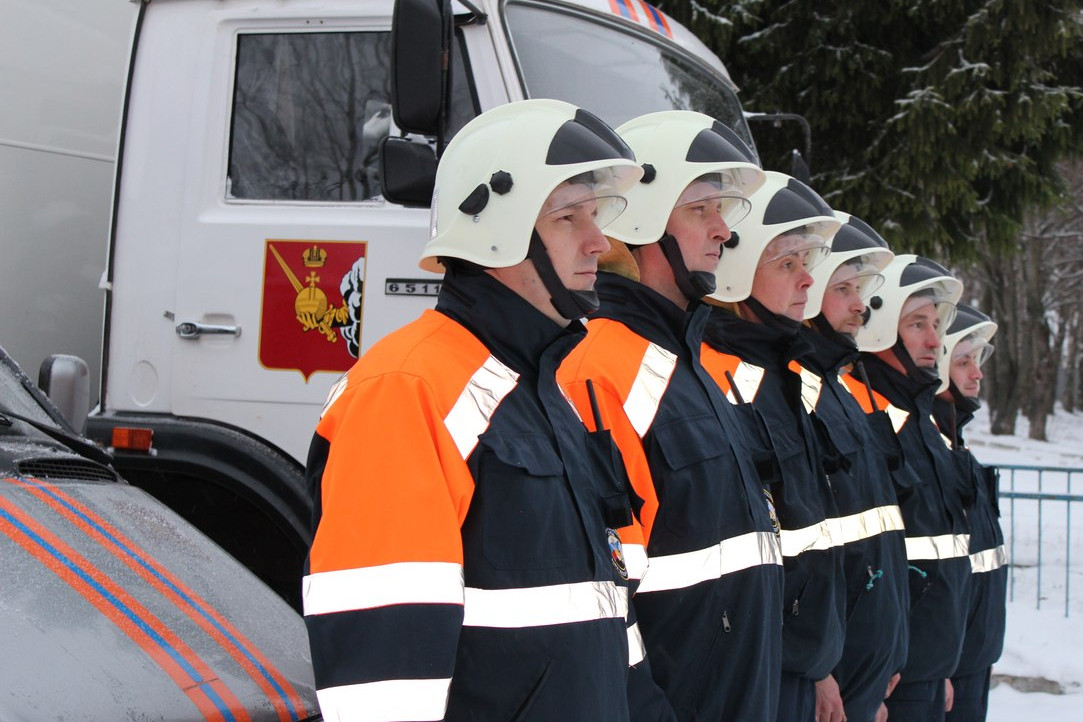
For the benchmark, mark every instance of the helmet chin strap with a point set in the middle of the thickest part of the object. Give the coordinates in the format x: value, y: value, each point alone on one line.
x: 912, y: 369
x: 966, y: 404
x: 693, y: 284
x: 825, y: 328
x: 770, y: 318
x: 569, y: 304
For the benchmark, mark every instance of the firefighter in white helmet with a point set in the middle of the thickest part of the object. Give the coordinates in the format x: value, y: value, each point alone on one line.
x: 751, y: 340
x: 869, y: 521
x: 967, y: 345
x: 708, y: 603
x: 465, y: 562
x: 901, y: 344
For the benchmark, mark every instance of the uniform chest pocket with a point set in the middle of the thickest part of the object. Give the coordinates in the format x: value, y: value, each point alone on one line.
x: 698, y: 475
x: 842, y: 437
x: 911, y: 478
x: 789, y: 451
x: 523, y: 504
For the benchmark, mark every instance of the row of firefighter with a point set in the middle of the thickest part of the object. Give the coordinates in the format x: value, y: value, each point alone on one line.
x: 697, y: 463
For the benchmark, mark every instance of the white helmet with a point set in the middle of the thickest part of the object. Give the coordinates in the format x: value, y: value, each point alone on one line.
x: 500, y: 168
x: 677, y: 147
x: 782, y: 207
x: 971, y: 331
x: 857, y: 252
x: 907, y: 277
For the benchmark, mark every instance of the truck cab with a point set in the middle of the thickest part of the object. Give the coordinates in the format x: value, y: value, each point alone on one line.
x: 253, y: 255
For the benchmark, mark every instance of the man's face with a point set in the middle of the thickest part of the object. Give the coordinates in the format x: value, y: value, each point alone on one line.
x: 571, y: 236
x: 919, y: 331
x: 965, y: 369
x: 842, y: 304
x: 697, y: 224
x: 782, y: 281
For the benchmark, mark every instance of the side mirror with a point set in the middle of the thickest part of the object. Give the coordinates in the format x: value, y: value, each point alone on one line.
x: 408, y: 172
x: 66, y: 381
x: 420, y: 46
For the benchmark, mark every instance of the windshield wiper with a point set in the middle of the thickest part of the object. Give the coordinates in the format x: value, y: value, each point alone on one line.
x: 73, y: 442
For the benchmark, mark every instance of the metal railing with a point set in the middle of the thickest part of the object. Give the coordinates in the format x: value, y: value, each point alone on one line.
x: 1036, y: 515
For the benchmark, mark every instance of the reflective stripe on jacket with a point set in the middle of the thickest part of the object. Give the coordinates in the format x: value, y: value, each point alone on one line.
x: 462, y: 567
x: 987, y: 610
x: 871, y: 527
x: 707, y: 605
x: 813, y: 607
x: 936, y: 527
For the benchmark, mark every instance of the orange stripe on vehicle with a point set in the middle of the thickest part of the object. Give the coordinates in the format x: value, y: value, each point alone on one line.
x: 280, y: 693
x: 657, y: 19
x: 210, y: 696
x: 624, y: 8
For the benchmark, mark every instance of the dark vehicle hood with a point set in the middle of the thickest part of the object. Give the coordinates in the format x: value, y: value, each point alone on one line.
x: 113, y: 607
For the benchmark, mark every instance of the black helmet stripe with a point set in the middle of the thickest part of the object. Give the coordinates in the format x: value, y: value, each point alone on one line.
x: 967, y: 317
x: 856, y: 235
x: 921, y: 270
x: 586, y: 138
x: 795, y: 202
x: 718, y: 144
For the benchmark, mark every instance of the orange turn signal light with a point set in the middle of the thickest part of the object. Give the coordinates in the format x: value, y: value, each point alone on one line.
x: 132, y: 439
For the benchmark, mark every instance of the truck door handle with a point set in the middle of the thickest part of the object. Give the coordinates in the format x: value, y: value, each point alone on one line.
x: 191, y: 329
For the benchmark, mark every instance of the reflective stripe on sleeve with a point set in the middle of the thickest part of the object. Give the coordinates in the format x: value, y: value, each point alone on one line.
x: 541, y: 606
x: 815, y: 537
x: 655, y: 370
x: 636, y: 651
x: 470, y: 415
x: 988, y: 560
x: 381, y: 586
x: 679, y: 571
x: 635, y: 560
x: 943, y: 437
x: 945, y: 546
x: 898, y: 417
x: 865, y: 524
x: 332, y: 395
x: 747, y: 378
x: 385, y: 701
x: 811, y: 385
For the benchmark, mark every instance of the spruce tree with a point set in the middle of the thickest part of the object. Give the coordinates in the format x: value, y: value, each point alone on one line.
x: 940, y: 122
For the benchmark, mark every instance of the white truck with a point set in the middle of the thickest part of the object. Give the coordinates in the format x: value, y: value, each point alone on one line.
x: 251, y: 251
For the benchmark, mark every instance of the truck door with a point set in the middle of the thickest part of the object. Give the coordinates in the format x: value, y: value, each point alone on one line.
x: 286, y: 262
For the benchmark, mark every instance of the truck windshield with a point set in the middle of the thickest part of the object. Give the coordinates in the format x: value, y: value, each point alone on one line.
x: 615, y: 73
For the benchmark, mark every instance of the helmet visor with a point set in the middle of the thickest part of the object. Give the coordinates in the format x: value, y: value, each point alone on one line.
x: 937, y: 295
x: 864, y: 276
x: 974, y: 346
x: 809, y: 248
x: 594, y: 195
x: 720, y: 193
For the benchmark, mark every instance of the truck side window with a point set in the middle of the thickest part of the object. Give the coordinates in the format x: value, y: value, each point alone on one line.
x: 309, y: 110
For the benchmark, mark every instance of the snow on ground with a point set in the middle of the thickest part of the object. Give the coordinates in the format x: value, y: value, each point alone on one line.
x: 1044, y: 647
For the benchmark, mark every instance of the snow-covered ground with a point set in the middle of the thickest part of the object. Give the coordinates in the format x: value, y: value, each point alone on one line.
x: 1044, y: 648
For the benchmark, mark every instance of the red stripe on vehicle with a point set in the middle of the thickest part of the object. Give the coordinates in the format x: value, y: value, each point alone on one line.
x: 194, y: 678
x: 280, y: 693
x: 657, y: 19
x: 624, y: 8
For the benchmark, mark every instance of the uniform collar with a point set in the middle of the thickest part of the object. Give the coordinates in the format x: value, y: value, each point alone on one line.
x: 899, y: 388
x: 758, y: 343
x: 642, y: 309
x: 510, y: 327
x: 828, y: 351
